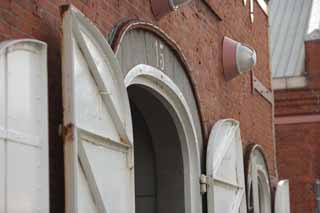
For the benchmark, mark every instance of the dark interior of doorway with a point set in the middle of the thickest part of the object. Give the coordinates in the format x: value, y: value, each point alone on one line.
x: 159, y: 171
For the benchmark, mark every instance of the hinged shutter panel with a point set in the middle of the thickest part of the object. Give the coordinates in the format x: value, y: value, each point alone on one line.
x: 98, y: 129
x: 282, y: 198
x: 258, y: 184
x: 24, y: 181
x: 226, y: 192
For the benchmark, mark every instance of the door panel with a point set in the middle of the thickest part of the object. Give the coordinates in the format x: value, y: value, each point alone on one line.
x: 226, y: 191
x: 86, y: 201
x: 2, y: 89
x: 282, y: 198
x: 2, y: 126
x: 109, y: 165
x: 24, y: 101
x: 97, y: 119
x: 2, y: 175
x: 23, y: 193
x: 93, y: 115
x: 226, y: 170
x: 258, y: 184
x: 24, y: 169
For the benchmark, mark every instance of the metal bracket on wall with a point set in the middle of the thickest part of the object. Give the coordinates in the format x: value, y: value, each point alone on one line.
x: 258, y: 87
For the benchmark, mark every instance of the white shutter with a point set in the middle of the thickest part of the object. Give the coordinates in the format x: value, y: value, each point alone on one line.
x: 282, y: 198
x: 97, y: 119
x: 24, y: 181
x: 226, y: 190
x: 258, y: 184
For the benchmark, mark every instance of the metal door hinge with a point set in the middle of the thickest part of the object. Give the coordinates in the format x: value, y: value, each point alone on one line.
x: 205, y: 182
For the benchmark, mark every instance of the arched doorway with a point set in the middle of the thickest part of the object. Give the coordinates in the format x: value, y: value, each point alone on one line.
x: 156, y: 76
x: 159, y: 171
x: 165, y: 148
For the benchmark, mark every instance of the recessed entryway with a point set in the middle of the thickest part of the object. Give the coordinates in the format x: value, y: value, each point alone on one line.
x: 159, y: 169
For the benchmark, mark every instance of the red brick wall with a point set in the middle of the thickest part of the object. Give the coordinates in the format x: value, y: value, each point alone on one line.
x: 297, y: 102
x: 298, y: 151
x: 298, y: 147
x: 195, y: 28
x: 312, y: 63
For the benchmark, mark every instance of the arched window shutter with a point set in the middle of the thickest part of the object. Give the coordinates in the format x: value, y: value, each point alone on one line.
x: 282, y: 197
x: 257, y: 181
x: 24, y: 171
x: 97, y: 120
x: 225, y: 171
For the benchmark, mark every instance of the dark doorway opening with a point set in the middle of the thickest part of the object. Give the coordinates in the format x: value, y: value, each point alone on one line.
x: 159, y: 170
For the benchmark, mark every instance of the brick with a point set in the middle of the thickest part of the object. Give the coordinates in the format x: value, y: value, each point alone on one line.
x: 298, y: 150
x: 312, y: 63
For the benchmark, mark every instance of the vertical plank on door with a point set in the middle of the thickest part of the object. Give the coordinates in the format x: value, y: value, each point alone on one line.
x: 136, y: 55
x: 151, y: 49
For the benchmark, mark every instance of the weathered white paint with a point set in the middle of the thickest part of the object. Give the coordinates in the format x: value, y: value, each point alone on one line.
x: 24, y: 169
x: 176, y: 103
x: 258, y: 186
x: 98, y: 129
x: 226, y: 185
x: 282, y: 198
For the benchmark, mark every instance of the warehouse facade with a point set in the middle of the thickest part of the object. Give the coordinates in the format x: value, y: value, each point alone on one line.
x: 140, y: 115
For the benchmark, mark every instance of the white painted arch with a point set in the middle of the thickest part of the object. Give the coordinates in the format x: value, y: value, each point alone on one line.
x: 170, y: 95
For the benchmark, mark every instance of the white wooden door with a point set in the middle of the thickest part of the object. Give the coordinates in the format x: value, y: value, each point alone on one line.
x: 97, y: 120
x: 282, y: 198
x: 226, y: 190
x: 24, y: 181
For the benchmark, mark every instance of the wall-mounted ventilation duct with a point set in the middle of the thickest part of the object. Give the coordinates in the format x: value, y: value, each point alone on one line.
x: 238, y: 58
